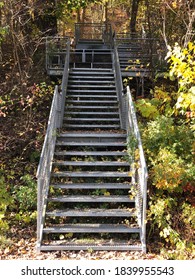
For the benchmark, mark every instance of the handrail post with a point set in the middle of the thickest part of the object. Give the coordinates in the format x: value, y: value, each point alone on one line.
x: 119, y: 85
x: 65, y: 81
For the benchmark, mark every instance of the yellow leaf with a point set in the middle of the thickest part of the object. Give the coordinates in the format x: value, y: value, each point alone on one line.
x: 61, y: 236
x: 107, y: 194
x: 174, y: 4
x: 69, y: 235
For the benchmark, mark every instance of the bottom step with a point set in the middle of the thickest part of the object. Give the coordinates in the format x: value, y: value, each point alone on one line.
x: 99, y: 247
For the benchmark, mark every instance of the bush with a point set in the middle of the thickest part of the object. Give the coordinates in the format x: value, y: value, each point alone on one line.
x: 178, y: 233
x: 26, y: 195
x: 5, y: 201
x: 165, y: 133
x: 182, y: 63
x: 168, y: 171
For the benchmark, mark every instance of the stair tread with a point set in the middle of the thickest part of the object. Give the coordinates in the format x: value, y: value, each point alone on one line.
x: 109, y: 78
x: 93, y: 212
x: 91, y: 174
x: 90, y: 70
x: 108, y: 73
x: 90, y: 228
x: 92, y: 186
x: 90, y: 86
x: 91, y: 163
x: 97, y: 144
x: 74, y: 81
x: 98, y: 135
x: 105, y: 107
x: 92, y: 113
x: 91, y: 91
x: 100, y: 247
x: 92, y: 126
x: 89, y: 153
x: 92, y: 101
x: 91, y: 96
x: 91, y: 198
x: 92, y: 119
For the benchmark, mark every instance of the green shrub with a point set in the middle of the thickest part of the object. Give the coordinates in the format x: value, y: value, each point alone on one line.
x: 26, y: 195
x: 5, y: 201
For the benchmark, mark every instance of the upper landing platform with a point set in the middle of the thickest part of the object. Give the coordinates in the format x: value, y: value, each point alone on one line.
x: 92, y: 47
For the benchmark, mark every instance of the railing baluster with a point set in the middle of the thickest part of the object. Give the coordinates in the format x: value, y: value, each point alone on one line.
x: 119, y: 85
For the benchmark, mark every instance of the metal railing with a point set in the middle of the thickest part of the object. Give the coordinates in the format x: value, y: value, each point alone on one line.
x: 56, y: 48
x: 119, y: 84
x: 45, y: 163
x: 64, y: 84
x: 152, y: 48
x: 93, y: 31
x: 140, y: 173
x: 129, y: 123
x: 44, y: 168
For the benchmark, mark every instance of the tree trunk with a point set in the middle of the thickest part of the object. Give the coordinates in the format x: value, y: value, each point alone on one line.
x: 134, y: 12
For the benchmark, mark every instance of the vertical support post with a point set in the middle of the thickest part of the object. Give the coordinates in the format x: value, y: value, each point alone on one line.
x: 83, y: 56
x: 65, y: 80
